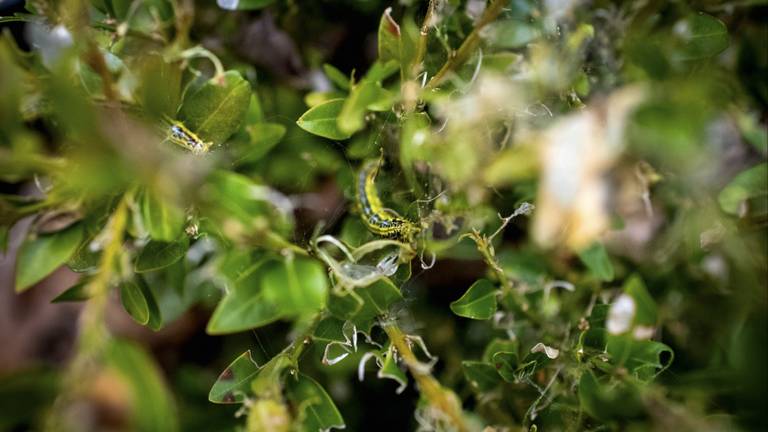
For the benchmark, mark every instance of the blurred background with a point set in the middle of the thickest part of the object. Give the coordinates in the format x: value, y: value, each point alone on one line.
x: 689, y: 100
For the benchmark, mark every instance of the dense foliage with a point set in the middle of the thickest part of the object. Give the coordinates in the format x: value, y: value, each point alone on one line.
x: 580, y: 187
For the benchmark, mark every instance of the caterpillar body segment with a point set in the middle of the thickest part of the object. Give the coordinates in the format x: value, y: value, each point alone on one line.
x: 378, y: 219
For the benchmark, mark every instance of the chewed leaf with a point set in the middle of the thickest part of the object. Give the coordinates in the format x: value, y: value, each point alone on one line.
x: 479, y: 302
x: 234, y: 384
x: 390, y: 369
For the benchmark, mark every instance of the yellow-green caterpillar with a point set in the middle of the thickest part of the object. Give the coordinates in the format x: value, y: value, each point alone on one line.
x: 377, y: 219
x: 180, y: 135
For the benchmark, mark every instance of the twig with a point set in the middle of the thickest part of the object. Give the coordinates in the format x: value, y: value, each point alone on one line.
x: 421, y: 49
x: 436, y: 395
x: 468, y: 46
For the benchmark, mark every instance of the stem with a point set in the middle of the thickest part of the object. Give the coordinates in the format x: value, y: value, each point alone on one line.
x: 94, y: 333
x: 421, y: 48
x: 438, y: 397
x: 460, y: 56
x: 299, y: 344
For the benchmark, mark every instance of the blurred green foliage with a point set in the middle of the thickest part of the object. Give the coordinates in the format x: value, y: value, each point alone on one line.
x: 630, y: 296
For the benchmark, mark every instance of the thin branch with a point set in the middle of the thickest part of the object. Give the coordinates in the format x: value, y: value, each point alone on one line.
x: 436, y: 395
x: 460, y: 56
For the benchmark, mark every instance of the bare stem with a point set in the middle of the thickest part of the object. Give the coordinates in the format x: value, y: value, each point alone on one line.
x: 438, y: 397
x: 423, y: 37
x: 460, y: 56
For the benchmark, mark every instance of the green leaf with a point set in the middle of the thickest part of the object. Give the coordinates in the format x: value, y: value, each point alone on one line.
x: 321, y: 120
x: 645, y: 313
x: 296, y: 286
x: 160, y: 85
x: 480, y: 375
x: 264, y: 136
x: 597, y: 261
x: 748, y: 187
x: 388, y: 37
x: 268, y: 381
x: 499, y: 345
x: 234, y: 383
x: 40, y: 256
x: 506, y: 363
x: 337, y: 77
x: 216, y: 111
x: 162, y: 219
x: 316, y: 409
x: 606, y: 402
x: 642, y: 358
x: 152, y: 406
x: 244, y: 307
x: 367, y: 303
x: 479, y: 302
x: 157, y: 255
x: 390, y: 370
x: 703, y: 36
x: 134, y: 302
x: 243, y: 4
x: 75, y: 293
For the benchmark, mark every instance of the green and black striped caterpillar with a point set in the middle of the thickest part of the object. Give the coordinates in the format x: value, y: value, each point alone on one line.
x: 378, y: 219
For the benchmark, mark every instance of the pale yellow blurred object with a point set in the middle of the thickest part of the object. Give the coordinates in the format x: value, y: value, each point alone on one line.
x: 576, y: 153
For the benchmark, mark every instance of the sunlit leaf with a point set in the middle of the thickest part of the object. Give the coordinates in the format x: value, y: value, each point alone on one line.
x: 479, y: 302
x: 296, y: 286
x: 162, y: 219
x: 321, y: 120
x: 214, y: 111
x: 40, y: 256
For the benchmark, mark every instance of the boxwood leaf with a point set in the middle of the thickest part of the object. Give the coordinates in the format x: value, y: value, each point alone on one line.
x: 152, y: 406
x: 336, y: 76
x: 40, y: 256
x: 264, y: 136
x: 296, y: 286
x: 703, y: 36
x: 134, y: 302
x: 75, y: 293
x: 597, y: 261
x: 316, y: 409
x: 244, y: 307
x: 479, y: 302
x: 321, y: 120
x: 216, y: 111
x: 162, y: 219
x: 157, y: 255
x: 747, y: 187
x: 234, y: 383
x: 388, y: 37
x: 480, y: 375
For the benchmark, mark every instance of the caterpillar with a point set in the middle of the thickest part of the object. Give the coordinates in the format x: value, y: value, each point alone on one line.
x: 377, y: 219
x: 180, y: 135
